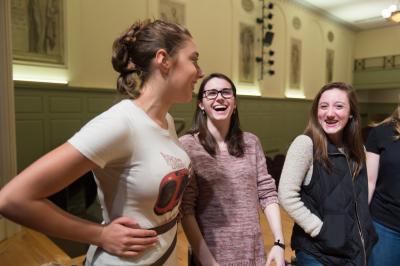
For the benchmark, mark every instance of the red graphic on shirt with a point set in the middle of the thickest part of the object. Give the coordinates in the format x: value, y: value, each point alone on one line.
x: 171, y: 189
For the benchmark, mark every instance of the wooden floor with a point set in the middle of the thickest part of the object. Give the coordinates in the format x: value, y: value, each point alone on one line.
x: 30, y: 248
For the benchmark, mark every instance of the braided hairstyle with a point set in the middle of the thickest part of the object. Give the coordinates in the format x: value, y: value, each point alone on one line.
x: 135, y: 49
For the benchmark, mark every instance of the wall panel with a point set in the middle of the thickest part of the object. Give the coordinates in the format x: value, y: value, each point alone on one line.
x: 47, y: 117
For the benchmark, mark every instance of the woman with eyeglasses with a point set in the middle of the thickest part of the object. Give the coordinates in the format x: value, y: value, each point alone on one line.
x: 229, y: 182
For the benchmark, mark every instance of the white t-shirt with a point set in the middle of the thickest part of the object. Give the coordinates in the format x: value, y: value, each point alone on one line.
x: 136, y: 157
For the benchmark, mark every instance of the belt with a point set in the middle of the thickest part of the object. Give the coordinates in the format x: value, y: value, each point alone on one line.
x: 160, y: 230
x: 165, y: 227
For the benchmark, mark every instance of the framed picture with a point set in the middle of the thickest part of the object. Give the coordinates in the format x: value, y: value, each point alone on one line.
x: 38, y: 31
x: 330, y: 56
x: 246, y: 53
x: 172, y: 11
x: 295, y: 64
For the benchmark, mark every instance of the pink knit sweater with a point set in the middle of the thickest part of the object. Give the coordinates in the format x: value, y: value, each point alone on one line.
x: 225, y: 194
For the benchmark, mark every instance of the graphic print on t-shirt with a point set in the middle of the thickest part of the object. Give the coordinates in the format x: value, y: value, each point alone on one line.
x: 172, y: 185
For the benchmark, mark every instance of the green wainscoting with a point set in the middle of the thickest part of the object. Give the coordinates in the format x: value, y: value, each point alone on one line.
x: 382, y: 72
x: 377, y: 79
x: 375, y: 112
x: 47, y: 115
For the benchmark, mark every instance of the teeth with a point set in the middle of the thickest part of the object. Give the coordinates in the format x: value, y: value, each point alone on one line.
x: 330, y: 122
x: 220, y: 108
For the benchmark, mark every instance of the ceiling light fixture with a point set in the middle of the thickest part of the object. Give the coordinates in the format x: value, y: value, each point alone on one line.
x: 392, y: 13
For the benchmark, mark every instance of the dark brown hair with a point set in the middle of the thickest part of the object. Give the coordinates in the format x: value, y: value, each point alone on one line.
x: 234, y: 138
x: 352, y: 138
x: 135, y: 49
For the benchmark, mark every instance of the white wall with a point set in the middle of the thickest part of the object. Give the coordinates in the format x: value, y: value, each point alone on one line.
x: 313, y: 35
x: 92, y: 25
x: 377, y: 42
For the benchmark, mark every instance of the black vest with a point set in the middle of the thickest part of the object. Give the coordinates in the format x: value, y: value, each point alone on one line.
x: 347, y: 234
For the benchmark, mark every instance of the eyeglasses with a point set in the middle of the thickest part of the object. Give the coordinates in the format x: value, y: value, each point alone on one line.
x: 212, y: 94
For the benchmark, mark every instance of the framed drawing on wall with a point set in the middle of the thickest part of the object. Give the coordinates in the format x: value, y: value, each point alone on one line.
x: 330, y: 56
x: 246, y: 53
x: 172, y: 11
x: 295, y: 64
x: 38, y: 31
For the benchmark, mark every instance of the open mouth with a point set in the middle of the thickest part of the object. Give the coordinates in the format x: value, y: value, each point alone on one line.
x: 331, y: 123
x: 220, y: 108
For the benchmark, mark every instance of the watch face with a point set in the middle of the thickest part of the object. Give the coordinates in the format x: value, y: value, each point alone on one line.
x: 248, y: 5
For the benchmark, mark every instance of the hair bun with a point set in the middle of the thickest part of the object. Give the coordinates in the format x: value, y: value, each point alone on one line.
x: 120, y: 58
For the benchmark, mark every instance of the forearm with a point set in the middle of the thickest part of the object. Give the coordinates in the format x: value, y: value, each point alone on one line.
x: 197, y: 241
x: 371, y: 190
x: 44, y: 216
x: 273, y: 216
x: 298, y: 166
x: 372, y: 170
x: 289, y: 198
x: 24, y: 198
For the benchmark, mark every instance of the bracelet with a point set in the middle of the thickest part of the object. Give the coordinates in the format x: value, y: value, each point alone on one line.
x: 278, y: 243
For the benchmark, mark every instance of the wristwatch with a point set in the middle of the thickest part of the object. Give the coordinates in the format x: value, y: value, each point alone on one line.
x: 278, y: 243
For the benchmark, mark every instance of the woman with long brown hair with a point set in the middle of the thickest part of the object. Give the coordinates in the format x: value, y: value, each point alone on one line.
x: 229, y: 185
x: 324, y: 187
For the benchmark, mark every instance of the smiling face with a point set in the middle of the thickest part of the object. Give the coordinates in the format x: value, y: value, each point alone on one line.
x: 220, y: 108
x: 334, y: 113
x: 185, y: 72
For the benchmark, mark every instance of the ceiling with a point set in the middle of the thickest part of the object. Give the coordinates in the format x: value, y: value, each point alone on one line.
x: 356, y: 14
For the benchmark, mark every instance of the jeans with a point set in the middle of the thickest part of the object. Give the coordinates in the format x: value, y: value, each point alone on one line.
x: 304, y: 259
x: 387, y: 250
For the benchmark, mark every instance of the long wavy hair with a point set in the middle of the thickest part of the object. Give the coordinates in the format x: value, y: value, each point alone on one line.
x: 395, y: 119
x: 352, y: 138
x: 234, y: 138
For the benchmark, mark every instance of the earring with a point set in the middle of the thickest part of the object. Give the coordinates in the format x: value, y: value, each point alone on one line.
x: 203, y: 112
x: 351, y: 116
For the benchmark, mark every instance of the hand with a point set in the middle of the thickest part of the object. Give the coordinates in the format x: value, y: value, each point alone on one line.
x: 276, y: 254
x: 123, y: 237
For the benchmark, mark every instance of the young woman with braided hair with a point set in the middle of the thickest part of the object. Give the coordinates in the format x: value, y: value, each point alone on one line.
x: 133, y: 151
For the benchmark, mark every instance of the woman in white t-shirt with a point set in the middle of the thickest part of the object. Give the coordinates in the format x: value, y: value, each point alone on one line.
x: 133, y: 151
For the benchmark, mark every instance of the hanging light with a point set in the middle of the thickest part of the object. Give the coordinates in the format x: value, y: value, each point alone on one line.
x: 392, y: 13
